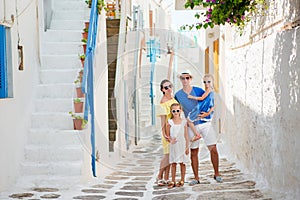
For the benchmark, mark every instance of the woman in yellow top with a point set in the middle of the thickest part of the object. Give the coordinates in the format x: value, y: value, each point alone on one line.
x: 164, y: 112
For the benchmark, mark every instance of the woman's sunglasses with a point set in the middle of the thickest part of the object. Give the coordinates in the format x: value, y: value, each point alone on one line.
x: 174, y: 111
x: 167, y: 87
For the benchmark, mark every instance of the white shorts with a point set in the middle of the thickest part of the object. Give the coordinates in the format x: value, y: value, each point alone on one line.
x: 206, y: 132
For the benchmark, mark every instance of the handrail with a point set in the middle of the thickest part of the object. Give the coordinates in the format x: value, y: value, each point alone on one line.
x: 88, y: 78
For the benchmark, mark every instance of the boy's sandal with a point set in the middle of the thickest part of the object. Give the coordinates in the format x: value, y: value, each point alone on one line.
x: 180, y: 183
x: 161, y: 183
x: 171, y: 185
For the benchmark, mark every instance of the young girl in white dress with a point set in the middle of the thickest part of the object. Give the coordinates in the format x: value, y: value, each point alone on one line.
x: 176, y: 129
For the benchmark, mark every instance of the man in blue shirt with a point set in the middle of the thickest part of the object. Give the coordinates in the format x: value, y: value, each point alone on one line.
x: 202, y: 125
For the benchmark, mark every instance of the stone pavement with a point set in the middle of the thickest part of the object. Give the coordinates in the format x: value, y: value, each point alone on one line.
x: 134, y: 176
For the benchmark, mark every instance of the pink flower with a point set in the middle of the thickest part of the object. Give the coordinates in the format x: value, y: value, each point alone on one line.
x: 208, y: 16
x: 209, y: 10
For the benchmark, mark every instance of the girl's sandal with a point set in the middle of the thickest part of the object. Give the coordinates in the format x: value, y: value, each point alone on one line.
x: 171, y: 185
x: 180, y: 183
x: 161, y: 183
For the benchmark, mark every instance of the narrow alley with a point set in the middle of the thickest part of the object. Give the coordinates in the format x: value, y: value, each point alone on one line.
x: 134, y: 178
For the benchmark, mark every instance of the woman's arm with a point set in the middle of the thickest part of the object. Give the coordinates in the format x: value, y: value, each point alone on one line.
x: 163, y: 121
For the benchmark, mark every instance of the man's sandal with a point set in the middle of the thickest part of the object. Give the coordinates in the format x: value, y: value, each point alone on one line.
x: 180, y: 183
x: 171, y: 185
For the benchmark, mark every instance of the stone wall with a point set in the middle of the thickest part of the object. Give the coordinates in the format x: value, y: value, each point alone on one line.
x: 261, y: 82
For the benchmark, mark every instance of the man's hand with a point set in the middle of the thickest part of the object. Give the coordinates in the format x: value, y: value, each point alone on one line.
x: 203, y: 115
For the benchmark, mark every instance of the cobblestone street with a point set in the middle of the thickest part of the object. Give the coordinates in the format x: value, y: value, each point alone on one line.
x: 134, y: 178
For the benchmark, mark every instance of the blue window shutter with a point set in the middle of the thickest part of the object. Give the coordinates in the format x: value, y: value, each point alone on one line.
x: 3, y: 74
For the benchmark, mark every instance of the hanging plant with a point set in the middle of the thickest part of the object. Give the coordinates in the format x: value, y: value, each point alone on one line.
x: 233, y: 12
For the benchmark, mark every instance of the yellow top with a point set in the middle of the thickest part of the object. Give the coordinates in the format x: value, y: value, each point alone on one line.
x: 164, y: 109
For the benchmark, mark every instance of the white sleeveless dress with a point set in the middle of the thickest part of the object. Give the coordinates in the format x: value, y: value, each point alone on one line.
x: 177, y: 150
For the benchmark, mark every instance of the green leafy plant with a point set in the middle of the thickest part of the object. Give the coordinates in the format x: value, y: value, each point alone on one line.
x: 83, y: 40
x: 233, y: 12
x: 78, y: 117
x: 81, y: 56
x: 77, y: 100
x: 100, y: 5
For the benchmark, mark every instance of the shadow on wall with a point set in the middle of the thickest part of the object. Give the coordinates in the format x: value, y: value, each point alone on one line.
x: 265, y: 143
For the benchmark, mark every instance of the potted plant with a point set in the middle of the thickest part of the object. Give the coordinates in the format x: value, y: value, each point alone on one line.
x: 86, y: 24
x: 78, y: 105
x: 84, y: 41
x: 79, y: 92
x: 85, y: 33
x: 78, y: 121
x: 82, y: 58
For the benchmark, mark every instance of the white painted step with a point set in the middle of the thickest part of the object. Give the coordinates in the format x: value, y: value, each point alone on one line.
x: 60, y: 61
x: 52, y: 168
x: 66, y: 48
x: 53, y: 152
x: 54, y: 181
x: 61, y: 90
x: 48, y: 76
x: 70, y: 5
x: 63, y: 105
x: 55, y: 137
x: 68, y: 15
x: 63, y: 36
x: 55, y: 121
x: 77, y: 25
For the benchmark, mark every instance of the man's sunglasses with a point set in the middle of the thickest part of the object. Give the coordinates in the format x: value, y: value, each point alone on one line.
x: 183, y: 78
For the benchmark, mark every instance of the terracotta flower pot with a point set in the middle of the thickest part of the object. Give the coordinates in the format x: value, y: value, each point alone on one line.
x: 77, y: 124
x: 85, y: 35
x: 79, y: 92
x: 78, y: 107
x: 84, y: 48
x: 86, y: 24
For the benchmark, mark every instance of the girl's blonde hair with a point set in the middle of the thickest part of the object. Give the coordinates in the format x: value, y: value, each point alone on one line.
x: 174, y: 104
x: 212, y: 80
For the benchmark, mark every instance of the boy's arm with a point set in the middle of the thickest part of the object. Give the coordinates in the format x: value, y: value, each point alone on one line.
x: 206, y: 93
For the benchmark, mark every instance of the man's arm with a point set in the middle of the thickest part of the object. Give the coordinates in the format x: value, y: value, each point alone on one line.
x: 205, y: 114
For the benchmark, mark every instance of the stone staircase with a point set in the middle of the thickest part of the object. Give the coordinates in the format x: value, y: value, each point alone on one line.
x: 55, y: 151
x: 112, y: 33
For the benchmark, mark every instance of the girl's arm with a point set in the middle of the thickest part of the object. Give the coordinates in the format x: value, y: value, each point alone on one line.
x: 168, y: 126
x: 206, y: 93
x: 186, y: 137
x: 163, y: 122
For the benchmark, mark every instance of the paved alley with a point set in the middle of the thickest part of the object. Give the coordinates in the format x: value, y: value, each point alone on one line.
x: 134, y: 178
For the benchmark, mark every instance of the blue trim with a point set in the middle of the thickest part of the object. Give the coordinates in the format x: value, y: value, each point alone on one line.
x: 3, y: 70
x: 88, y: 77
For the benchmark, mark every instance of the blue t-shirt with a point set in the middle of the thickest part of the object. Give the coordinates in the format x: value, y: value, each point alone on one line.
x: 189, y: 104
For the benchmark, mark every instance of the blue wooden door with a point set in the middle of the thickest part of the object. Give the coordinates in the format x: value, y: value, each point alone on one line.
x: 3, y: 73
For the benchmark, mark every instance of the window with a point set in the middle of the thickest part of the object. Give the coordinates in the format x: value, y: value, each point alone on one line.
x: 3, y: 63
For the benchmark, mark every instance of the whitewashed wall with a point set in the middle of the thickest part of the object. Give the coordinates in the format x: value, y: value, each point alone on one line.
x: 15, y: 112
x: 261, y: 92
